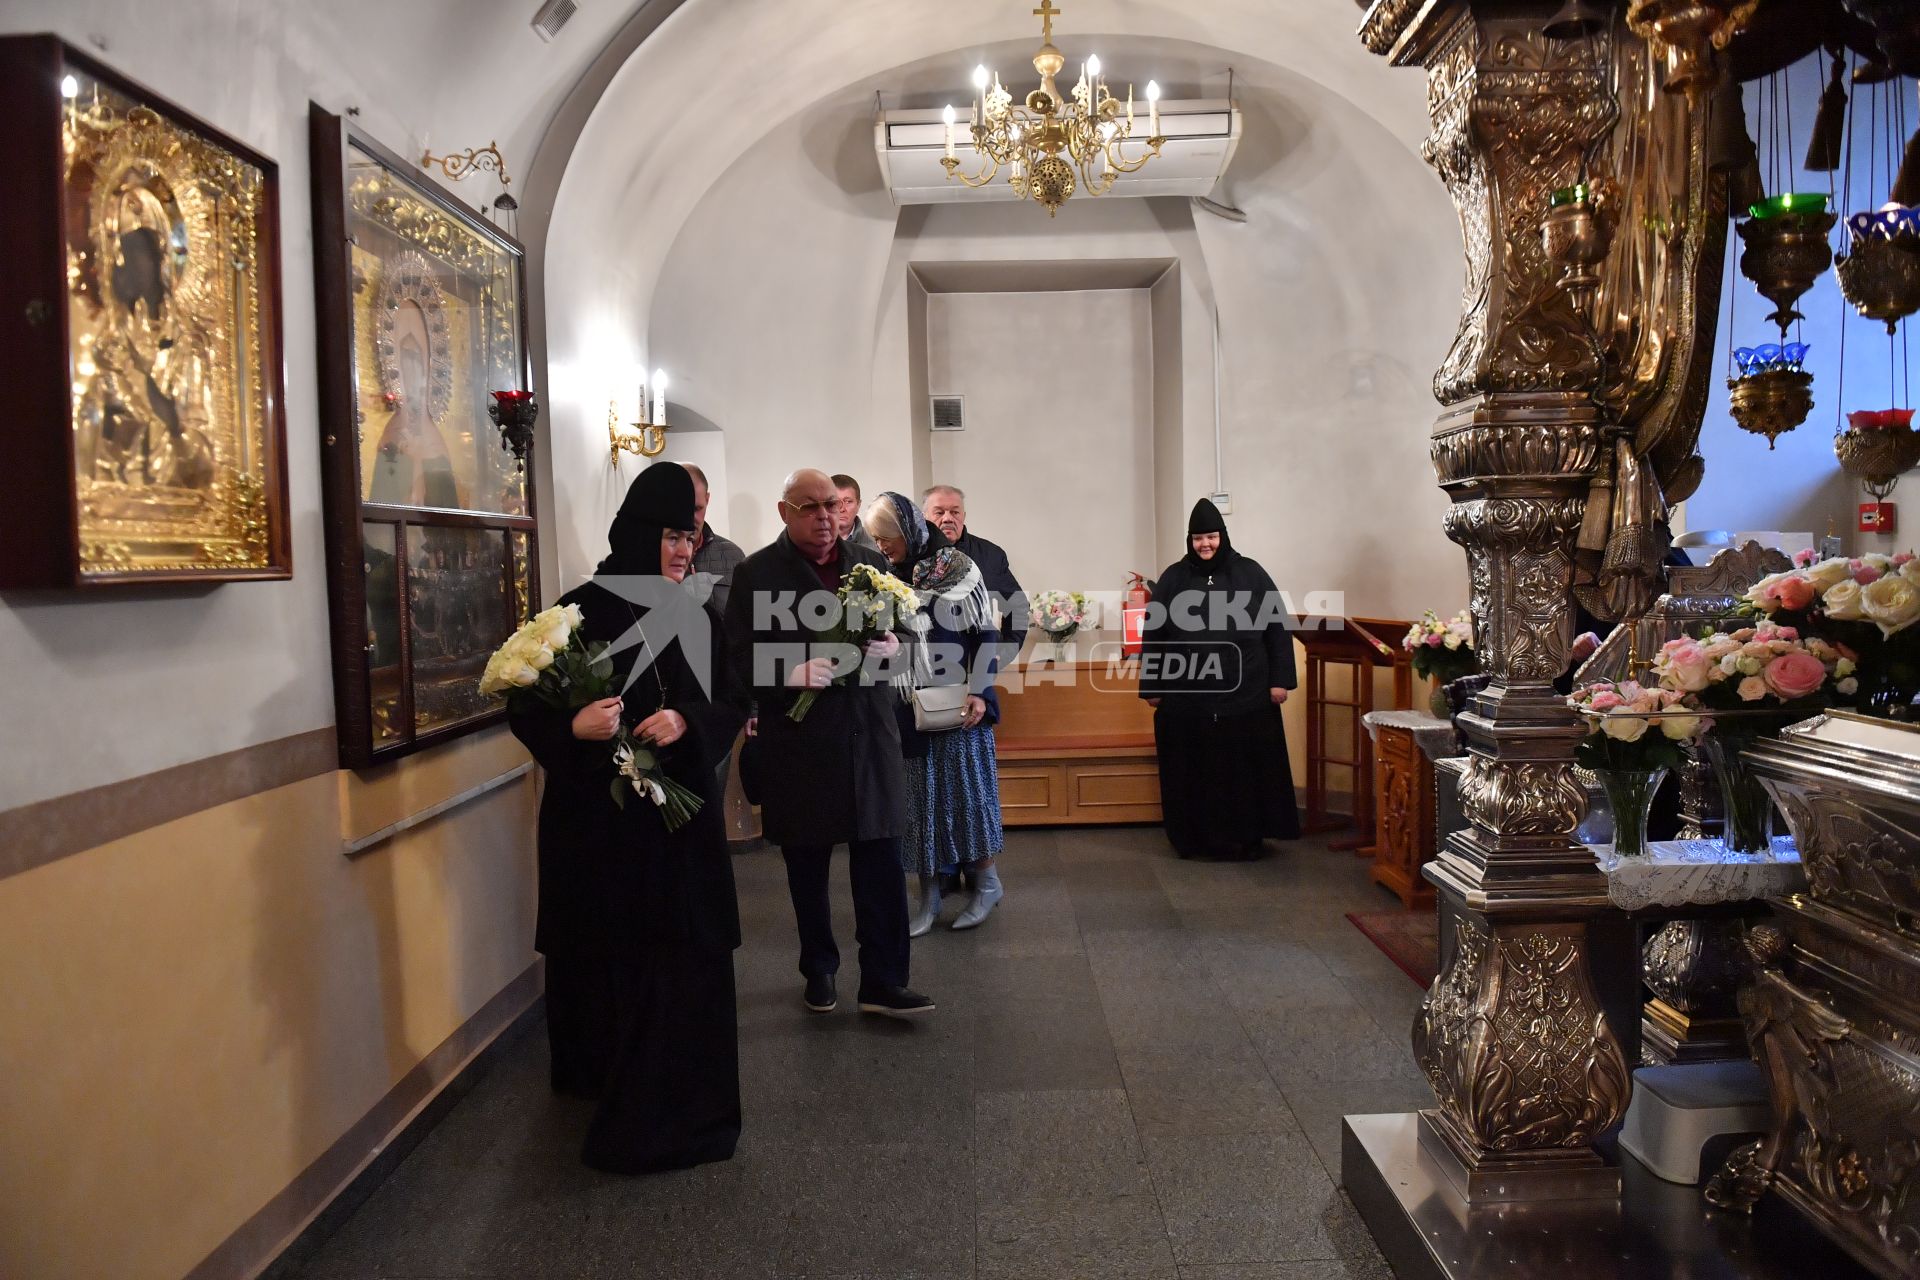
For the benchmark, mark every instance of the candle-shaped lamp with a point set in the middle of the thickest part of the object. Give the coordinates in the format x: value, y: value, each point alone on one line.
x: 659, y: 398
x: 1153, y: 108
x: 1093, y: 83
x: 980, y: 83
x: 947, y: 117
x: 642, y: 412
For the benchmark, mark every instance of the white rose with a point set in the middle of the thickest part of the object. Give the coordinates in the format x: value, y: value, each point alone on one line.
x: 1883, y: 563
x: 540, y: 659
x: 515, y: 671
x: 573, y: 615
x: 1848, y: 687
x: 1623, y: 728
x: 1844, y: 668
x: 1827, y: 572
x: 1842, y: 602
x: 1911, y: 571
x: 1747, y: 666
x: 1891, y: 603
x: 1680, y: 728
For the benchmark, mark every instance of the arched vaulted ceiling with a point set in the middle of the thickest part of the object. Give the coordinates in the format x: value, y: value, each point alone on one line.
x: 642, y: 141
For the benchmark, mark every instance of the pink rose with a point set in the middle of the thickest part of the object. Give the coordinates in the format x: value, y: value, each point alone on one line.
x: 1795, y: 675
x: 1433, y: 641
x: 1687, y: 668
x: 1752, y: 689
x: 1901, y: 558
x: 1794, y: 594
x: 1606, y: 700
x: 1864, y: 573
x: 1786, y: 633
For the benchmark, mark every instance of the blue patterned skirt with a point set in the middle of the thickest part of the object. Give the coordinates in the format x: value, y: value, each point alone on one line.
x: 953, y: 803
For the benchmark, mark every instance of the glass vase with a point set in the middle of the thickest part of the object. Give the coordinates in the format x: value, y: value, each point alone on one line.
x: 1630, y: 795
x: 1437, y: 700
x: 1746, y: 808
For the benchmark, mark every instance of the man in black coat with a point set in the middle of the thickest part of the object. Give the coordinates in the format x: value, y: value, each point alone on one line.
x: 946, y: 507
x: 836, y: 777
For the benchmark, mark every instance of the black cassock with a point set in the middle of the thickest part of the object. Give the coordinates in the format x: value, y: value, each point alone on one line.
x: 638, y: 925
x: 1225, y: 781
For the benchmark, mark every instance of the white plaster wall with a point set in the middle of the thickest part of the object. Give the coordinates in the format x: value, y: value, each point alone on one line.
x: 783, y: 309
x: 1057, y: 455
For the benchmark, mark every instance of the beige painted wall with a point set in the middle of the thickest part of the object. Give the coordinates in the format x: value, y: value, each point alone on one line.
x: 190, y: 1016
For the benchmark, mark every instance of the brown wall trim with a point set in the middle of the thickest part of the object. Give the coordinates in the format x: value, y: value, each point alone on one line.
x: 48, y: 830
x: 261, y: 1239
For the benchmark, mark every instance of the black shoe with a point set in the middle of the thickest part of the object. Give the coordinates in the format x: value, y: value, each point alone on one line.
x: 895, y: 1002
x: 820, y: 996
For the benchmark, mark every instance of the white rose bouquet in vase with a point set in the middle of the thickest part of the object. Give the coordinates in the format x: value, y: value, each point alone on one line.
x: 1635, y: 734
x: 1441, y: 650
x: 548, y: 663
x: 1058, y: 615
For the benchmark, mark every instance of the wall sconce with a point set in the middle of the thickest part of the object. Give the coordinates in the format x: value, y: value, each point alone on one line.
x: 485, y: 159
x: 514, y: 413
x: 649, y: 437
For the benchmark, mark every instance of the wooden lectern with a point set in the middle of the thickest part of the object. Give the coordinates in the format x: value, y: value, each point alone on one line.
x: 1360, y: 645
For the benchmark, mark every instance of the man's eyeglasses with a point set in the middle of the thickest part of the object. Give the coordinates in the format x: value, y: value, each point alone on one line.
x: 813, y: 508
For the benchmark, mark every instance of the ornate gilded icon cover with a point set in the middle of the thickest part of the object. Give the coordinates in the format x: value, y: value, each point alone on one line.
x: 430, y: 527
x: 172, y: 336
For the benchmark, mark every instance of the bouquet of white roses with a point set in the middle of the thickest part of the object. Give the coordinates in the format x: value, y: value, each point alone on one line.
x: 546, y: 661
x: 1059, y: 614
x: 1442, y: 647
x: 872, y: 603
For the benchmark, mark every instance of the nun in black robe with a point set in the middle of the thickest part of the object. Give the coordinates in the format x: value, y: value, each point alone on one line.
x: 1225, y: 782
x: 638, y: 925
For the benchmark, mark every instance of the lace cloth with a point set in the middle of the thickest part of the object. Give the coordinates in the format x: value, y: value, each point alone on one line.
x: 1434, y: 736
x: 1678, y: 873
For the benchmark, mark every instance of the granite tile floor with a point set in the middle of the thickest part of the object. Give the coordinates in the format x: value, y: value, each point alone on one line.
x: 1137, y: 1072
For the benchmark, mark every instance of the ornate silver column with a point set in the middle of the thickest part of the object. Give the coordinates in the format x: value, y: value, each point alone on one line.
x: 1543, y: 409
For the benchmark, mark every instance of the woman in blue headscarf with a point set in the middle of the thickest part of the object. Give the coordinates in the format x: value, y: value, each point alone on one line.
x: 953, y: 781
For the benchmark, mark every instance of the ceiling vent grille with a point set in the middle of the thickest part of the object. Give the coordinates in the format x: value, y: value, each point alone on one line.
x: 949, y: 413
x: 552, y: 16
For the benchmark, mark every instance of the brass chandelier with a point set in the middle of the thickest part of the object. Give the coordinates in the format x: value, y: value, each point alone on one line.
x: 1046, y: 139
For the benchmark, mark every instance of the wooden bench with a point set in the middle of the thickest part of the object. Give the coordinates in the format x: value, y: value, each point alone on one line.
x: 1075, y: 746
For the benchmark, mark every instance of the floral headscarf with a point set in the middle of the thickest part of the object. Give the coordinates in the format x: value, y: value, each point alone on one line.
x: 945, y: 578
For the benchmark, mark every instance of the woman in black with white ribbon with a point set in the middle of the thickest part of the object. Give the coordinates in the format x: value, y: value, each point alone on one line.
x: 637, y: 923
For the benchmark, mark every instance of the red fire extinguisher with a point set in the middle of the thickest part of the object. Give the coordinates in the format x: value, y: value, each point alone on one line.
x: 1133, y: 617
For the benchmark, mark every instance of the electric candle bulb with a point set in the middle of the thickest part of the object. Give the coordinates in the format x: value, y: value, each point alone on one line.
x: 1153, y: 107
x: 947, y: 117
x: 1093, y: 81
x: 659, y: 398
x: 69, y: 87
x: 980, y: 77
x: 643, y: 395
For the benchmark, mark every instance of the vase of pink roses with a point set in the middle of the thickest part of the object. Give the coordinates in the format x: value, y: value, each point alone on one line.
x: 1869, y: 607
x: 1635, y: 734
x: 1754, y: 681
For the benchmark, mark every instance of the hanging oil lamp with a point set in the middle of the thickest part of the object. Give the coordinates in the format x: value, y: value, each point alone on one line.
x: 1772, y: 392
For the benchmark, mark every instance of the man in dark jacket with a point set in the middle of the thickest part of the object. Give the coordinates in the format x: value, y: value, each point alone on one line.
x: 946, y: 507
x: 714, y: 557
x: 835, y: 777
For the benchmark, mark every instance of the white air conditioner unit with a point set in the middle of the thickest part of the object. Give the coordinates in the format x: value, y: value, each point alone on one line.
x: 1201, y: 135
